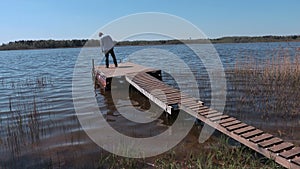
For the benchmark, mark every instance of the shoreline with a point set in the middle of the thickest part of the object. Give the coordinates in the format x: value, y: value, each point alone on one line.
x: 75, y: 43
x: 3, y: 50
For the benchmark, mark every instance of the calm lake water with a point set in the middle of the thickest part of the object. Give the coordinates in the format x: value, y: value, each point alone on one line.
x: 38, y: 123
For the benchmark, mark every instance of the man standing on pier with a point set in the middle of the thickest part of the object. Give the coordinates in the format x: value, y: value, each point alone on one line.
x: 107, y: 47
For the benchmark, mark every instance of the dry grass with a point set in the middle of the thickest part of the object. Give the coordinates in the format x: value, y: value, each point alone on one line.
x: 220, y: 155
x: 271, y: 86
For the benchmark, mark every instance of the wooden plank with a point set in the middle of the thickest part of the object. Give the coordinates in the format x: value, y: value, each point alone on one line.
x: 296, y: 160
x: 187, y: 101
x: 252, y: 133
x: 204, y: 113
x: 227, y: 120
x: 270, y: 142
x: 123, y: 69
x: 261, y: 138
x: 291, y: 153
x: 161, y: 97
x: 214, y: 115
x: 172, y: 102
x: 231, y: 123
x: 219, y: 118
x: 198, y: 105
x: 143, y: 76
x: 165, y: 91
x: 244, y: 130
x: 196, y: 109
x: 150, y: 80
x: 202, y: 109
x: 189, y: 104
x: 156, y: 90
x: 237, y: 126
x: 147, y: 78
x: 170, y: 89
x: 171, y: 97
x: 280, y: 147
x: 152, y: 86
x: 137, y: 78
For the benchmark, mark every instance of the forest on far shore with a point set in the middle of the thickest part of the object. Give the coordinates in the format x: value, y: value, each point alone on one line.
x: 76, y: 43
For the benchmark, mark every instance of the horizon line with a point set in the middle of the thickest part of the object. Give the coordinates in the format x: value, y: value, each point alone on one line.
x: 216, y: 38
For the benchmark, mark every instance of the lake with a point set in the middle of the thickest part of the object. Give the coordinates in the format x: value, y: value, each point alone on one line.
x: 38, y: 123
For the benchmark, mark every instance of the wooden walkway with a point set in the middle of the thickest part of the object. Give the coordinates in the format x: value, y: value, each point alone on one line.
x: 170, y: 99
x: 160, y: 93
x: 103, y: 76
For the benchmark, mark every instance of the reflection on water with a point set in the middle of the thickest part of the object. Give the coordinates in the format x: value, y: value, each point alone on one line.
x: 38, y: 124
x: 119, y: 115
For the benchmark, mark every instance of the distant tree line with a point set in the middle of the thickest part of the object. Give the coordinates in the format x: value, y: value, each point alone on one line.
x: 42, y: 44
x: 249, y: 39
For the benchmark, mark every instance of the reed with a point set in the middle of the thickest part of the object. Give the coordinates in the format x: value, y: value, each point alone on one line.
x: 271, y: 86
x: 21, y: 125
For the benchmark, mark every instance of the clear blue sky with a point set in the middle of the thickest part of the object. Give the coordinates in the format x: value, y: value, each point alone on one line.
x: 70, y: 19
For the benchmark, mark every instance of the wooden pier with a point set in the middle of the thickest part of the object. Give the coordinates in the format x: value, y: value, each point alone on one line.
x: 103, y: 76
x: 148, y: 82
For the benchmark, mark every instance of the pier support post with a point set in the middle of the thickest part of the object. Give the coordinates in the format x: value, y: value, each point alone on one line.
x: 93, y: 73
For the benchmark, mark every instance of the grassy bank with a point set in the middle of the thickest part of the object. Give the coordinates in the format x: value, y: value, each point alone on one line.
x: 212, y: 155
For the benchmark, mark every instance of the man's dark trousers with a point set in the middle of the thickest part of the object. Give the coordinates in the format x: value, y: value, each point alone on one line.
x: 112, y: 53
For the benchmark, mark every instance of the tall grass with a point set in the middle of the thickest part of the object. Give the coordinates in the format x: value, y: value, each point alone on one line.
x: 33, y: 135
x: 271, y: 86
x: 21, y: 124
x: 219, y: 155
